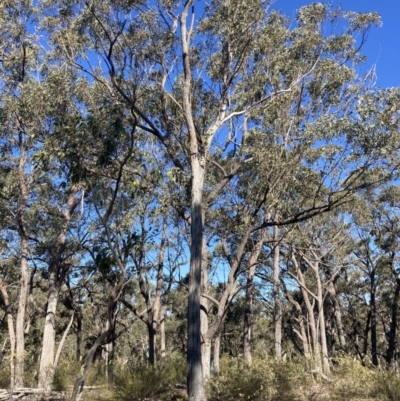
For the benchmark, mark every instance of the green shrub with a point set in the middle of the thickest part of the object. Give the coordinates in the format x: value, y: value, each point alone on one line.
x: 387, y: 386
x: 65, y: 375
x: 264, y: 380
x: 166, y: 381
x: 5, y: 373
x: 352, y: 380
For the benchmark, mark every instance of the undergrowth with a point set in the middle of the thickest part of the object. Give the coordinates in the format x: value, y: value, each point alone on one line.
x: 265, y: 380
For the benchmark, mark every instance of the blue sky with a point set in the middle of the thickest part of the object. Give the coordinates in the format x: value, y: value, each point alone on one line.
x: 383, y: 44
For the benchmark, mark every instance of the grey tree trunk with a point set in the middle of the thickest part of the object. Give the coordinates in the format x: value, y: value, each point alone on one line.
x: 310, y: 316
x: 163, y: 349
x: 372, y: 305
x: 391, y: 359
x: 338, y: 316
x: 304, y: 338
x: 24, y: 280
x: 195, y: 385
x: 20, y: 321
x: 79, y: 319
x: 302, y: 334
x: 46, y: 368
x: 321, y: 317
x: 247, y: 319
x: 204, y: 306
x: 217, y: 349
x: 11, y: 332
x: 206, y: 357
x: 314, y: 265
x: 195, y: 369
x: 151, y: 343
x: 88, y: 363
x: 62, y: 342
x: 247, y: 357
x: 156, y: 309
x: 108, y: 348
x: 277, y: 300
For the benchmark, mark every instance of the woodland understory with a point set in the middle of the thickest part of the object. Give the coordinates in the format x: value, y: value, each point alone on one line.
x: 197, y: 201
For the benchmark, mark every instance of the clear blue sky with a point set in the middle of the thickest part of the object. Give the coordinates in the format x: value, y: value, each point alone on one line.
x: 383, y: 44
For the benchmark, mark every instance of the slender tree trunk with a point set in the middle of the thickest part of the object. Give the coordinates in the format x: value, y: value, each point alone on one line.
x: 109, y: 356
x: 311, y: 319
x: 338, y: 315
x: 374, y: 346
x: 24, y: 280
x: 11, y: 332
x: 163, y: 349
x: 217, y: 349
x: 46, y: 368
x: 108, y: 335
x: 391, y: 351
x: 330, y: 329
x: 304, y: 338
x: 108, y: 353
x: 156, y: 310
x: 79, y: 318
x: 101, y: 340
x: 321, y: 317
x: 195, y: 385
x: 195, y: 369
x: 277, y: 300
x: 19, y: 325
x: 206, y: 356
x: 247, y: 318
x: 247, y: 326
x: 62, y: 342
x: 357, y: 344
x: 324, y: 346
x: 152, y: 345
x: 204, y: 306
x: 366, y: 333
x: 302, y: 334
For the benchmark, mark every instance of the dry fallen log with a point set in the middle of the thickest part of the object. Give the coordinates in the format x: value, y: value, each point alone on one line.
x: 34, y: 394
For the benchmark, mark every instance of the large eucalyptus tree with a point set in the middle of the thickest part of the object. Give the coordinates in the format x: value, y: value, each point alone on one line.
x: 191, y: 77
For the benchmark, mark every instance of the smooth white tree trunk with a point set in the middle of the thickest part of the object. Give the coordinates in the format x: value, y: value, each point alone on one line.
x: 217, y: 349
x: 46, y: 369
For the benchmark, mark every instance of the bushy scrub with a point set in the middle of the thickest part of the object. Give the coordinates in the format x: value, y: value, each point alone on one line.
x: 5, y: 373
x: 264, y: 380
x: 352, y: 380
x: 65, y: 375
x: 387, y: 386
x: 166, y: 381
